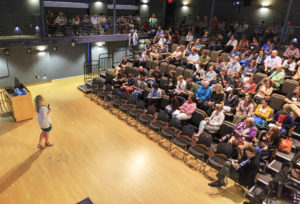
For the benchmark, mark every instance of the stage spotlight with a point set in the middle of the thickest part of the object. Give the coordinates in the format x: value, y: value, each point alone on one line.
x: 17, y: 29
x: 6, y: 52
x: 37, y: 29
x: 28, y: 50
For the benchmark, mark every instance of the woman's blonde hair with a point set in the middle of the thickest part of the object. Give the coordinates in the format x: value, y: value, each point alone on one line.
x: 219, y: 89
x: 219, y: 107
x: 179, y: 77
x: 38, y: 103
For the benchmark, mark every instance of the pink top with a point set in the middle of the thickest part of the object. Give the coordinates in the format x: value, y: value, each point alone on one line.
x: 188, y: 108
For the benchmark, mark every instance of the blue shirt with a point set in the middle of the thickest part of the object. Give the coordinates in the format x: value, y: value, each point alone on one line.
x: 267, y: 48
x: 203, y: 93
x: 159, y: 32
x: 233, y: 54
x: 193, y: 58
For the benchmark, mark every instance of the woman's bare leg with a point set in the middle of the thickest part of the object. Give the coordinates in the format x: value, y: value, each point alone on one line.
x: 47, y: 143
x: 41, y: 139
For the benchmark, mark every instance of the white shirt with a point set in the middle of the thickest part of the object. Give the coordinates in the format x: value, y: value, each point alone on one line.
x: 271, y: 62
x: 177, y: 54
x: 162, y: 41
x: 189, y: 37
x: 232, y: 43
x: 94, y: 20
x: 44, y: 118
x: 134, y: 38
x: 181, y: 85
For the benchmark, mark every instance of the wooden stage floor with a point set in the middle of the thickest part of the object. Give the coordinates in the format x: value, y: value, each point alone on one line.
x: 95, y: 155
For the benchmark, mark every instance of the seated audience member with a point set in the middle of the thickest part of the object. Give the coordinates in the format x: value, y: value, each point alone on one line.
x: 220, y: 64
x: 189, y: 37
x: 204, y: 60
x: 277, y: 77
x: 244, y: 109
x: 189, y: 49
x: 244, y: 170
x: 223, y: 78
x: 129, y: 85
x: 234, y: 82
x: 181, y: 83
x: 176, y: 37
x: 217, y: 97
x: 293, y: 102
x: 260, y: 60
x: 120, y: 78
x: 297, y: 75
x: 155, y: 76
x: 76, y: 25
x: 271, y: 62
x: 249, y: 87
x: 50, y: 21
x: 219, y: 43
x: 173, y: 103
x: 190, y: 88
x: 103, y: 22
x: 231, y: 101
x: 143, y: 71
x: 140, y: 87
x: 243, y: 44
x: 264, y: 91
x: 234, y: 53
x: 254, y: 46
x: 260, y: 28
x: 203, y: 93
x: 243, y: 134
x: 213, y: 123
x: 292, y: 51
x: 169, y: 43
x: 191, y: 60
x: 233, y: 66
x: 158, y: 34
x: 246, y: 57
x: 186, y: 111
x: 269, y: 142
x: 175, y: 56
x: 133, y: 40
x: 268, y: 47
x: 198, y: 75
x: 205, y: 39
x: 140, y: 60
x: 210, y: 75
x: 122, y: 64
x: 162, y: 40
x: 249, y: 70
x: 153, y: 98
x: 148, y: 48
x: 283, y: 120
x: 230, y: 44
x: 289, y: 66
x: 172, y: 81
x: 198, y: 46
x: 95, y: 22
x: 262, y: 114
x: 160, y: 52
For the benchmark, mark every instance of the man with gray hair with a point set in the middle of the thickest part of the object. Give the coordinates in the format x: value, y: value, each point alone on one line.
x: 233, y: 66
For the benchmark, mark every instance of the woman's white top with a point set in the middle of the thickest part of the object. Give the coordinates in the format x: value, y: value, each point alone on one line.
x: 44, y: 118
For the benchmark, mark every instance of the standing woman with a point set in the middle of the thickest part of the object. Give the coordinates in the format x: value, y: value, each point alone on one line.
x: 44, y: 120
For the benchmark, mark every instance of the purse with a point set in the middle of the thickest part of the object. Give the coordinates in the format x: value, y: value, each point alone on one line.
x: 286, y: 145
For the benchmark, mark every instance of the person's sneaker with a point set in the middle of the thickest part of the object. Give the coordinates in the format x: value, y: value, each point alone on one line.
x: 217, y: 184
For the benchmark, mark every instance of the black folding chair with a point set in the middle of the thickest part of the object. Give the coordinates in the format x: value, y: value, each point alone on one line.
x: 169, y: 132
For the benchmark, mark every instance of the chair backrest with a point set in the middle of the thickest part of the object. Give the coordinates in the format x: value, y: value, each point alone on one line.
x: 205, y: 139
x: 258, y: 77
x: 149, y: 63
x: 162, y: 116
x: 224, y: 148
x: 109, y: 76
x: 131, y: 99
x: 127, y: 70
x: 225, y: 56
x: 182, y: 48
x: 134, y: 71
x: 207, y: 51
x: 181, y: 100
x: 179, y: 71
x: 188, y: 73
x: 289, y: 86
x: 150, y: 72
x: 151, y: 110
x: 154, y: 64
x: 171, y: 67
x: 140, y: 104
x: 123, y: 95
x: 276, y: 101
x: 162, y: 82
x: 226, y: 128
x: 197, y: 117
x: 164, y: 102
x: 188, y: 130
x: 213, y: 56
x: 173, y: 47
x: 163, y: 68
x: 175, y: 123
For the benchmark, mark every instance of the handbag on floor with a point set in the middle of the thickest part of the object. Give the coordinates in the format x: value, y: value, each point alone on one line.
x: 286, y: 145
